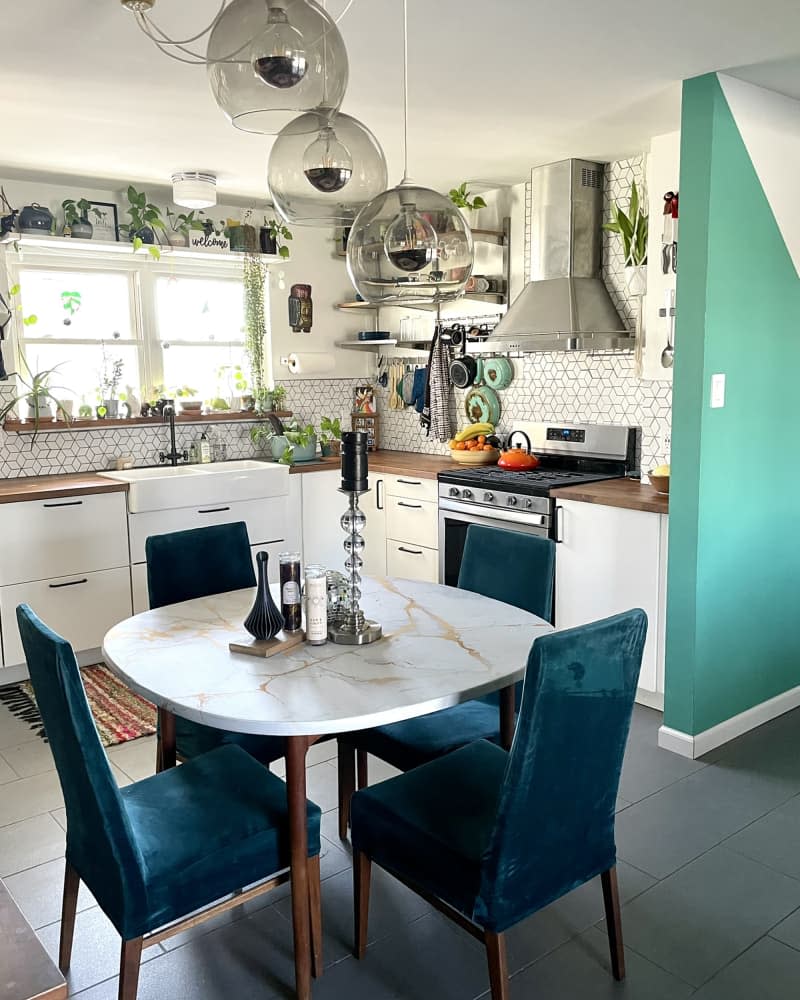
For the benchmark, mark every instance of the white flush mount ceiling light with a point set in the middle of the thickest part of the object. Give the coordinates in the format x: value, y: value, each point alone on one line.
x: 410, y: 244
x: 194, y: 189
x: 324, y: 168
x: 268, y: 60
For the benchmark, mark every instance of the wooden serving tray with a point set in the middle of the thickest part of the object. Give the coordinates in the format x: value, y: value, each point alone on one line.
x: 282, y: 642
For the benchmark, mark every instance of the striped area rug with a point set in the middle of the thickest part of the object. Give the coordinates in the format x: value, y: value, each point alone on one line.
x: 119, y: 714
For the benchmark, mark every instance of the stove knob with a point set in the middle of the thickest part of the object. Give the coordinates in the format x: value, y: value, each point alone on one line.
x: 488, y: 497
x: 455, y: 491
x: 467, y: 494
x: 529, y: 504
x: 512, y: 501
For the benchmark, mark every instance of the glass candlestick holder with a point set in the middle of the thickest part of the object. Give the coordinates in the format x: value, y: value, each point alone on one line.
x: 351, y: 627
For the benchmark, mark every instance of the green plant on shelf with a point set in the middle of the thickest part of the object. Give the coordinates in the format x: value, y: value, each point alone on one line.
x: 330, y: 430
x: 460, y: 197
x: 632, y: 229
x: 277, y: 396
x: 186, y: 222
x: 37, y: 391
x: 78, y: 211
x: 281, y: 235
x: 145, y: 221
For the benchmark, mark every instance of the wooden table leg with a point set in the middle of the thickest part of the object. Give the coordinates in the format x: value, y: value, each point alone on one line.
x: 508, y: 711
x: 296, y: 747
x: 166, y: 728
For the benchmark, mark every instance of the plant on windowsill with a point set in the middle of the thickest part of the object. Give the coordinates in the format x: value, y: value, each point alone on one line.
x: 145, y: 222
x: 182, y: 226
x: 37, y: 393
x: 632, y: 229
x: 330, y: 437
x: 277, y: 397
x: 110, y: 378
x: 76, y: 218
x: 237, y: 386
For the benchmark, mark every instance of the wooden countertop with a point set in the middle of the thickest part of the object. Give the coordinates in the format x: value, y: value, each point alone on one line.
x: 52, y: 487
x: 627, y: 493
x: 395, y: 463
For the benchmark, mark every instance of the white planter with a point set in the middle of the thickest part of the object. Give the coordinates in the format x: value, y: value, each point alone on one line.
x: 636, y: 279
x: 177, y: 239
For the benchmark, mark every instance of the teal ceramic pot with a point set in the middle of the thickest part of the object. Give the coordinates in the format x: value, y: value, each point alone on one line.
x: 302, y: 453
x: 81, y: 230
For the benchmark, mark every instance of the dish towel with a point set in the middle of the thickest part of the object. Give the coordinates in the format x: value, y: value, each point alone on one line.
x: 420, y: 381
x: 436, y: 412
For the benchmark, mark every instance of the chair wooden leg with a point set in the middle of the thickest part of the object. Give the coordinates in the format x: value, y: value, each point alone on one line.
x: 315, y: 910
x: 498, y: 966
x: 129, y: 962
x: 165, y: 746
x: 613, y: 922
x: 362, y: 763
x: 347, y: 784
x: 69, y: 906
x: 362, y: 870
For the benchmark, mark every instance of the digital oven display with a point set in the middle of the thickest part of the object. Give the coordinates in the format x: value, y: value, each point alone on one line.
x: 566, y: 434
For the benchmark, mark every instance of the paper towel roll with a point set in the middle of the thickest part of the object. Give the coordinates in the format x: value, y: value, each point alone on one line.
x: 311, y: 364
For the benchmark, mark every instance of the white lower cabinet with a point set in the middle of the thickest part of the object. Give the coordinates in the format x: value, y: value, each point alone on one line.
x: 412, y: 562
x: 611, y: 560
x: 412, y: 528
x: 82, y: 608
x: 323, y: 506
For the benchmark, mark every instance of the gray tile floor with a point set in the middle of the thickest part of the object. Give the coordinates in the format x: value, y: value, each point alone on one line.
x: 709, y: 874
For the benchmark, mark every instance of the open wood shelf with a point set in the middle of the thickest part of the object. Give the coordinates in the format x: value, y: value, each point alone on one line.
x: 14, y: 426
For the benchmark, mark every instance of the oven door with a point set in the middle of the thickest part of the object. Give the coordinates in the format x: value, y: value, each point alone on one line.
x: 455, y: 518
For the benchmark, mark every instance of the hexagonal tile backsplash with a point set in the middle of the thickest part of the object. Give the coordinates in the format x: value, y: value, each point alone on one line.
x: 551, y: 387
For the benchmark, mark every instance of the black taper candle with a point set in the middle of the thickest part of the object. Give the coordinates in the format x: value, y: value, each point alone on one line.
x: 354, y: 462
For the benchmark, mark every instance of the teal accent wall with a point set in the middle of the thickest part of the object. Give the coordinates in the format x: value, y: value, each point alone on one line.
x: 733, y: 619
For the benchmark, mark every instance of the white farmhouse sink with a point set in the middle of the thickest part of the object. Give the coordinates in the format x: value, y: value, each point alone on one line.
x: 170, y: 487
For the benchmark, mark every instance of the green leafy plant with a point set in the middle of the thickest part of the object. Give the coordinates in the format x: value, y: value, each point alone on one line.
x: 143, y: 215
x: 78, y: 211
x: 184, y: 392
x: 30, y: 320
x: 460, y: 197
x: 632, y: 228
x: 277, y: 396
x: 297, y: 436
x: 37, y: 392
x: 254, y: 279
x: 281, y: 234
x: 186, y: 222
x: 110, y: 375
x: 330, y: 430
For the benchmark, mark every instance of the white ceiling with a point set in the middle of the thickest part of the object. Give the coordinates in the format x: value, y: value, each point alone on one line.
x: 496, y: 85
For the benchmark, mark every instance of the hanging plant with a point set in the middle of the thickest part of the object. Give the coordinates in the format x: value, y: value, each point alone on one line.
x: 632, y: 228
x: 460, y: 197
x: 254, y: 279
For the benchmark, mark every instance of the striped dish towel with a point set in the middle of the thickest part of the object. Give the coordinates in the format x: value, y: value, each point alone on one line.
x: 436, y: 413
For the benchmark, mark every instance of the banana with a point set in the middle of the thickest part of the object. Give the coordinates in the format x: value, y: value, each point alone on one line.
x: 473, y: 430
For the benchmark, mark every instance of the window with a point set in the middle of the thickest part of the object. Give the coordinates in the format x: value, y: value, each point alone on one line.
x: 169, y: 325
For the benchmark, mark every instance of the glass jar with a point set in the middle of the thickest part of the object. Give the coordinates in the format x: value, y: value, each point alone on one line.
x: 291, y: 607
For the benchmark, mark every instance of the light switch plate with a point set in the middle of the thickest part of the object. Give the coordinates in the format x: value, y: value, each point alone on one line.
x: 717, y: 391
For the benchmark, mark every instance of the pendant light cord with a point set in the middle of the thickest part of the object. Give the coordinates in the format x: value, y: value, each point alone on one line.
x: 405, y: 90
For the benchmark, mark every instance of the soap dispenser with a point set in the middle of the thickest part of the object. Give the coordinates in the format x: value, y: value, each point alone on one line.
x: 205, y: 448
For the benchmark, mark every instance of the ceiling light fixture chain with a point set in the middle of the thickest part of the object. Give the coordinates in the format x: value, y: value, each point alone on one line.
x: 405, y: 90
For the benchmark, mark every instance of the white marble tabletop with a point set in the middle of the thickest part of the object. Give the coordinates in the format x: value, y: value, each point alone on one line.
x: 440, y: 646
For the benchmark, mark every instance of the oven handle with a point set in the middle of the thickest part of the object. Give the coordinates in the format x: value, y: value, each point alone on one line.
x: 480, y: 513
x: 558, y: 533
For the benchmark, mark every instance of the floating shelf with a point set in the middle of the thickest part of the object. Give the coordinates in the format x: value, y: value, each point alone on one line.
x: 365, y: 345
x: 15, y: 426
x: 497, y: 237
x: 356, y: 305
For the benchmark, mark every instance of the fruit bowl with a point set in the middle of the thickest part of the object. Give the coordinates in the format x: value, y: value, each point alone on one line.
x: 659, y: 483
x: 475, y: 457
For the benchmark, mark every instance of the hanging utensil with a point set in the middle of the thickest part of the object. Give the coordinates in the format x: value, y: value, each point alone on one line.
x: 515, y: 457
x: 668, y: 354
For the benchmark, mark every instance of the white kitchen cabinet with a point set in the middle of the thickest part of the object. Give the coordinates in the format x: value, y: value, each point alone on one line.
x: 55, y: 537
x: 412, y: 528
x: 412, y: 562
x: 412, y: 488
x: 81, y: 607
x: 373, y: 505
x: 323, y: 506
x: 610, y: 560
x: 412, y: 520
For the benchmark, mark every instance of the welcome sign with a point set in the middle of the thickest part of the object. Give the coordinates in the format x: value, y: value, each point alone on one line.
x: 211, y: 241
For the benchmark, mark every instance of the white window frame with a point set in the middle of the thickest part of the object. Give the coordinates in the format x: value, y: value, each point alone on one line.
x: 142, y: 271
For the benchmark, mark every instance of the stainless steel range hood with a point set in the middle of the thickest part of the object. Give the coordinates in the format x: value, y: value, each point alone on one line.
x: 565, y: 307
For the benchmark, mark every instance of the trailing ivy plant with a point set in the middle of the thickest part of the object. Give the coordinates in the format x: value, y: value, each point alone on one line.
x: 632, y: 228
x: 143, y: 215
x: 460, y: 197
x: 254, y: 280
x: 281, y: 234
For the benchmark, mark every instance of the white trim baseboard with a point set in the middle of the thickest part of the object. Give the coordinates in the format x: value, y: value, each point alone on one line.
x: 701, y: 744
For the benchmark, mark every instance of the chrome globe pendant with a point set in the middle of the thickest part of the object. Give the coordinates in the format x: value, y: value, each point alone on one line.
x: 270, y: 61
x: 410, y: 244
x: 324, y: 168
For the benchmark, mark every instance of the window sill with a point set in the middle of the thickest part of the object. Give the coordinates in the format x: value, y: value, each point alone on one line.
x: 14, y: 426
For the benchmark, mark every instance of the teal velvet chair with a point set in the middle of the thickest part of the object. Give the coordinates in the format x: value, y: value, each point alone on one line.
x: 160, y: 849
x: 490, y: 837
x: 509, y: 566
x: 185, y: 565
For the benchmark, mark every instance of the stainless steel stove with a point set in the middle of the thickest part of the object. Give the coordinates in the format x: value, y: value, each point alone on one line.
x: 569, y: 455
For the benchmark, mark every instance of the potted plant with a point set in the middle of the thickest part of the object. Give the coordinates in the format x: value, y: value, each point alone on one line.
x: 277, y: 397
x: 632, y: 228
x: 9, y: 219
x: 330, y: 437
x: 76, y: 218
x: 241, y: 234
x: 462, y: 198
x: 110, y: 378
x: 188, y: 399
x: 296, y: 444
x: 37, y: 393
x: 254, y: 279
x: 273, y: 236
x: 145, y: 219
x: 236, y: 384
x: 181, y: 226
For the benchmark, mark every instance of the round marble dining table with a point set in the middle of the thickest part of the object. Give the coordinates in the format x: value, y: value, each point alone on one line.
x: 440, y: 646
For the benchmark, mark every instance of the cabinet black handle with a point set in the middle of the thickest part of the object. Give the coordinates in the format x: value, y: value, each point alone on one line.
x: 72, y: 583
x: 379, y: 494
x: 66, y: 503
x: 213, y: 510
x: 410, y: 482
x: 411, y: 552
x: 413, y: 506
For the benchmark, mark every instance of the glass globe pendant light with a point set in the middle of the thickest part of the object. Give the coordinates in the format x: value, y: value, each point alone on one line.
x: 410, y: 244
x: 270, y: 61
x: 324, y: 178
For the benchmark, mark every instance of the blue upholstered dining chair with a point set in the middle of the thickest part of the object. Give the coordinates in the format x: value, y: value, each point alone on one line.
x: 160, y: 849
x: 509, y: 566
x: 185, y: 565
x: 490, y: 837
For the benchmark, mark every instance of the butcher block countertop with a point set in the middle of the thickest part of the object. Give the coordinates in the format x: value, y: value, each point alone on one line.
x: 53, y: 487
x: 392, y: 463
x: 627, y: 493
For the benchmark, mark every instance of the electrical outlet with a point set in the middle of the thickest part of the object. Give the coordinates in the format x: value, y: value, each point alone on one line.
x: 666, y: 442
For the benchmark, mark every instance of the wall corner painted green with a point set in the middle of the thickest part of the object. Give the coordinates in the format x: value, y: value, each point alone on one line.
x: 733, y: 628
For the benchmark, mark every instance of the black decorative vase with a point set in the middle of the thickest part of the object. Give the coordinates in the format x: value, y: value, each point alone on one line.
x: 265, y: 619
